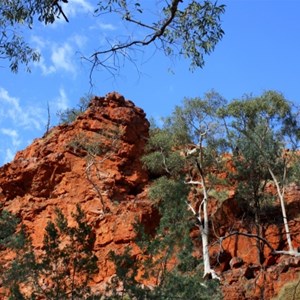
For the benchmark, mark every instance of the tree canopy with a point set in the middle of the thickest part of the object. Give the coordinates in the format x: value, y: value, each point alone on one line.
x: 186, y: 28
x: 260, y: 137
x: 14, y: 15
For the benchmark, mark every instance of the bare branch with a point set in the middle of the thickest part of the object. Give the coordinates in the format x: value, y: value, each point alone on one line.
x: 265, y: 241
x: 193, y: 182
x: 117, y: 49
x: 198, y: 216
x: 149, y: 39
x: 61, y: 10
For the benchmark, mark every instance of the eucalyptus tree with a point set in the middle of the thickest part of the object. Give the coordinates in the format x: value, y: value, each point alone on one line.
x: 15, y: 15
x: 264, y: 131
x: 178, y: 28
x: 251, y: 177
x: 187, y: 28
x: 188, y: 150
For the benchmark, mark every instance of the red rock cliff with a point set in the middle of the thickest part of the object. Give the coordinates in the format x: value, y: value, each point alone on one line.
x: 95, y: 161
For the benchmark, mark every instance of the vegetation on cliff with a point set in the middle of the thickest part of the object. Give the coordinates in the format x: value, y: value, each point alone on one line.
x: 64, y: 267
x: 206, y: 154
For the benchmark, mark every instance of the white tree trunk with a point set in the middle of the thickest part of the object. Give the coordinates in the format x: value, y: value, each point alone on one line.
x: 205, y: 234
x: 280, y: 193
x: 202, y: 214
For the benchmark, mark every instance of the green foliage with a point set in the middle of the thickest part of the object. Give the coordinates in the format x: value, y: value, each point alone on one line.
x: 14, y: 14
x: 100, y: 143
x: 162, y: 157
x: 188, y: 286
x: 90, y: 146
x: 197, y: 28
x: 252, y: 175
x: 16, y: 50
x: 14, y: 237
x: 290, y: 291
x: 195, y: 124
x: 170, y: 197
x: 218, y: 195
x: 8, y: 225
x: 253, y: 116
x: 69, y: 262
x: 261, y: 130
x: 168, y: 254
x: 197, y: 120
x: 194, y: 136
x: 70, y: 114
x: 63, y: 270
x: 124, y: 285
x: 191, y: 29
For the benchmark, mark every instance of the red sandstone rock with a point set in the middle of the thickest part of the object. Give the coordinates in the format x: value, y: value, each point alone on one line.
x: 236, y: 262
x: 52, y: 172
x: 108, y: 180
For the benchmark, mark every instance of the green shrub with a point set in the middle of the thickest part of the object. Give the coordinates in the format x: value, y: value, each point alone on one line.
x: 290, y: 291
x: 63, y: 270
x: 69, y: 115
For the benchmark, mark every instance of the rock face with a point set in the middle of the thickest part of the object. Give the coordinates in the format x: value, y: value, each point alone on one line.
x: 95, y: 162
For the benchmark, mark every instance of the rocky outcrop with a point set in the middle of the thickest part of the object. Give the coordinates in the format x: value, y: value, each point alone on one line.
x: 245, y: 274
x: 95, y: 162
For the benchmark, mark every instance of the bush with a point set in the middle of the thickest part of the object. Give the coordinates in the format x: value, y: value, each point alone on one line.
x: 290, y: 291
x: 70, y: 114
x: 62, y: 271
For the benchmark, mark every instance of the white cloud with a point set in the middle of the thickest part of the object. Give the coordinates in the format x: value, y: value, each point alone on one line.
x: 103, y: 26
x: 57, y: 57
x: 46, y: 70
x: 40, y: 42
x: 77, y: 6
x: 4, y: 96
x: 79, y: 40
x: 13, y: 134
x: 40, y: 45
x: 61, y: 102
x: 25, y: 117
x: 18, y: 122
x: 61, y: 58
x: 9, y: 155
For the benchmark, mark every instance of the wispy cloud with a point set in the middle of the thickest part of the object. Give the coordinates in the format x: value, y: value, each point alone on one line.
x: 9, y: 155
x: 20, y: 116
x: 18, y: 121
x: 10, y: 146
x: 79, y: 40
x: 62, y: 101
x: 40, y: 45
x: 46, y: 70
x: 61, y: 58
x: 13, y: 134
x: 103, y: 26
x: 75, y: 7
x: 58, y: 57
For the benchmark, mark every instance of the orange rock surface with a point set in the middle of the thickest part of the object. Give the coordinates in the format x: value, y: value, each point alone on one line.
x: 95, y: 161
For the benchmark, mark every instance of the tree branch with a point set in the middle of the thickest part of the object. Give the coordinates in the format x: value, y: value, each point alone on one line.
x: 266, y: 242
x: 158, y: 33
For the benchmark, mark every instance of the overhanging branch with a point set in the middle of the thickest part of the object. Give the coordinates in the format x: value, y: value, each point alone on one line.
x: 265, y: 241
x: 158, y: 33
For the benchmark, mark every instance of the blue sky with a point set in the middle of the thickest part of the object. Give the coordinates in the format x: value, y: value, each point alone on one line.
x: 260, y: 51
